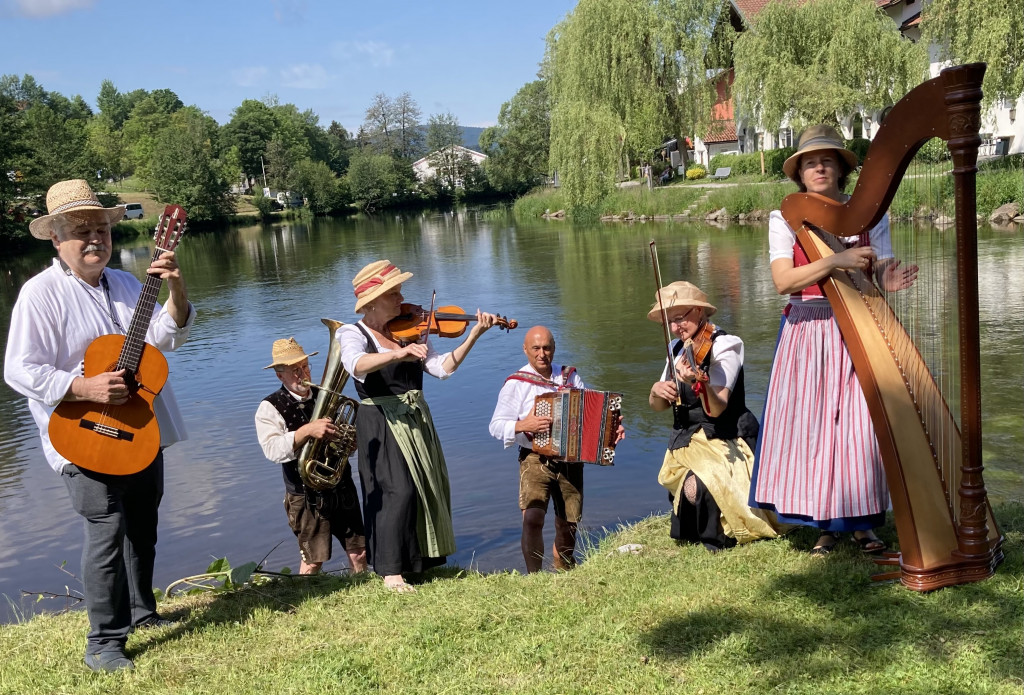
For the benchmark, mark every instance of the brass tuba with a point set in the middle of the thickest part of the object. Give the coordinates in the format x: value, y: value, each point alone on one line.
x: 322, y: 462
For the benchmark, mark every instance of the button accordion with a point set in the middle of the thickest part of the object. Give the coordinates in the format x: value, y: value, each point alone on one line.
x: 584, y: 424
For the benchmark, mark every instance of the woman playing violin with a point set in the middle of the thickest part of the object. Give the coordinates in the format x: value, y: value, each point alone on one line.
x: 710, y: 454
x: 406, y: 496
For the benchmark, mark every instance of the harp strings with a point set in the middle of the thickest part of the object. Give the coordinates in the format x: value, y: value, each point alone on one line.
x: 923, y: 234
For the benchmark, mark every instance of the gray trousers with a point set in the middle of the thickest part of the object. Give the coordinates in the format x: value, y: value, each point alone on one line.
x: 120, y: 513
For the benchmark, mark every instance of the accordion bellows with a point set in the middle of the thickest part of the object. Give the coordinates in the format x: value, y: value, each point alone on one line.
x: 584, y: 423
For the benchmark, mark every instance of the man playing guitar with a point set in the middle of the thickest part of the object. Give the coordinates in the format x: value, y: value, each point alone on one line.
x: 58, y: 314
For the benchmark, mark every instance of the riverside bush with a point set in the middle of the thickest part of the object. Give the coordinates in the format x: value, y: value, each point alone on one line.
x: 750, y: 163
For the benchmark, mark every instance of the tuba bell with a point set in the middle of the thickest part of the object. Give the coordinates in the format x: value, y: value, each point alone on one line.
x: 322, y: 462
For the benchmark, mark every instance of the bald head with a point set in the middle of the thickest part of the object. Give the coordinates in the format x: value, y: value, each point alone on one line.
x: 539, y: 346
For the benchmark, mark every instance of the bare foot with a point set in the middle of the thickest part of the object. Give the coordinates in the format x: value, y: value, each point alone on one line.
x: 397, y: 583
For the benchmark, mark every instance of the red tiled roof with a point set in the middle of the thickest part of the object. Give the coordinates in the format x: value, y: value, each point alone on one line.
x: 748, y: 9
x: 912, y: 22
x: 882, y: 4
x: 721, y: 131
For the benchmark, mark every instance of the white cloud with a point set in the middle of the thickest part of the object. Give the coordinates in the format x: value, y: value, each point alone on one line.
x: 305, y: 76
x: 378, y: 52
x: 248, y: 77
x: 48, y: 8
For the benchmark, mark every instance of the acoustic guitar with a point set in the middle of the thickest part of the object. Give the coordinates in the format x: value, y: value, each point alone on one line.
x: 121, y: 439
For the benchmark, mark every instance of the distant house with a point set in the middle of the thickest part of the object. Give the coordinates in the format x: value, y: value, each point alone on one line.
x: 732, y: 129
x: 424, y: 169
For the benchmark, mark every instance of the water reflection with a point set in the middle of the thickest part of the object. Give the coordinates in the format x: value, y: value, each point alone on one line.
x: 591, y: 285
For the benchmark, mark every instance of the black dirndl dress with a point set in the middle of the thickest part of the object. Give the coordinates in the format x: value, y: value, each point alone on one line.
x: 390, y: 501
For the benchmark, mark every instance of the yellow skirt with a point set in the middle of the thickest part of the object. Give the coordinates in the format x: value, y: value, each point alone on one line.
x: 724, y: 466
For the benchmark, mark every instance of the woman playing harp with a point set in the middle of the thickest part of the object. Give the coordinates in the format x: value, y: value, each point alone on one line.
x: 818, y: 462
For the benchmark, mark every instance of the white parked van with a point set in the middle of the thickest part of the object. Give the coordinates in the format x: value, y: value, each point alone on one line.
x: 132, y: 211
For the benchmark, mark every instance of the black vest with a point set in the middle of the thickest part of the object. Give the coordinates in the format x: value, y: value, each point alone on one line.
x: 392, y: 380
x: 736, y: 421
x: 295, y: 414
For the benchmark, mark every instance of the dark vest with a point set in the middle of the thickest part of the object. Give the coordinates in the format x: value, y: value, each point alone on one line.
x: 736, y: 421
x: 295, y: 414
x: 392, y: 380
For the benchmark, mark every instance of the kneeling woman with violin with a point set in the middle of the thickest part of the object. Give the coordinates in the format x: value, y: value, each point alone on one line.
x: 710, y: 455
x: 406, y: 497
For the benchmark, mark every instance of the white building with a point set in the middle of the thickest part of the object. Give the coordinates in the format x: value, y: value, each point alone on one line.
x: 1001, y: 130
x: 424, y: 170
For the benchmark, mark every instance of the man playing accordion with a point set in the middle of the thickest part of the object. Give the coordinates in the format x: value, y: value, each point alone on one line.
x: 540, y: 477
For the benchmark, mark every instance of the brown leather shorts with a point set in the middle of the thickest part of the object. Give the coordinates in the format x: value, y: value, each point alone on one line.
x: 541, y: 479
x: 314, y: 530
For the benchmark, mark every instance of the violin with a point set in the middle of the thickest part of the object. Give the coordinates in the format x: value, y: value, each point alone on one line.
x: 697, y: 347
x: 414, y: 322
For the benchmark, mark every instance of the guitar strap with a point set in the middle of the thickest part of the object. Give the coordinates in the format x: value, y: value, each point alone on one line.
x: 106, y: 293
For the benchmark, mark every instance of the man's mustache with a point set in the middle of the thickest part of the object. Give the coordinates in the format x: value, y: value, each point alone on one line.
x: 94, y: 248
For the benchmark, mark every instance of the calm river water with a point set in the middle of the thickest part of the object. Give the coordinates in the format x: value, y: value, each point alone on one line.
x: 592, y: 285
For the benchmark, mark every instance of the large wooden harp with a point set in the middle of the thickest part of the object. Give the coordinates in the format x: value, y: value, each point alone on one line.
x: 930, y: 442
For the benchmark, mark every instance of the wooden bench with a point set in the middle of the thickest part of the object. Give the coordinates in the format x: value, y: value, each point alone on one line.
x: 721, y: 173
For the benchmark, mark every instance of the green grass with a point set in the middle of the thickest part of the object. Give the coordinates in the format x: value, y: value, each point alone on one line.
x: 668, y: 200
x: 756, y: 619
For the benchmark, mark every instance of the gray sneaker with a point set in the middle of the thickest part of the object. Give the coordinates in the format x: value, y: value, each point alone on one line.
x: 109, y: 661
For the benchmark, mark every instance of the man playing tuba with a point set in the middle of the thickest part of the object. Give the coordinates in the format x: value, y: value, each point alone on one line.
x: 283, y: 426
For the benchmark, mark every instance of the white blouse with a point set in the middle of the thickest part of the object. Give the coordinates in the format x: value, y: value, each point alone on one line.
x: 354, y: 346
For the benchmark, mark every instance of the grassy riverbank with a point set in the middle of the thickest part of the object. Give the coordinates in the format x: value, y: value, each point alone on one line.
x: 998, y: 182
x: 761, y: 618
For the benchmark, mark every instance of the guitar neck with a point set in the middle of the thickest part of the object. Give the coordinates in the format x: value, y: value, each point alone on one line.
x: 135, y: 340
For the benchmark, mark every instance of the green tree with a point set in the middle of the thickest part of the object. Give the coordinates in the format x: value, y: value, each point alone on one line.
x: 517, y: 147
x: 372, y: 179
x: 587, y: 154
x: 444, y: 142
x: 148, y: 119
x: 380, y: 124
x: 57, y: 143
x: 341, y: 147
x: 106, y: 146
x: 251, y: 127
x: 409, y: 134
x: 323, y: 191
x: 643, y: 66
x: 968, y: 31
x: 117, y: 106
x: 12, y: 151
x: 186, y: 170
x: 806, y: 62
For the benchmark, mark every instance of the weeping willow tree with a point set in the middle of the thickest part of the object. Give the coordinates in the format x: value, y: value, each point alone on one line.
x: 818, y: 61
x: 623, y: 75
x: 968, y: 31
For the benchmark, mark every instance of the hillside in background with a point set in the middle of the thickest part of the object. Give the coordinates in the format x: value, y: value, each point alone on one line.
x: 471, y: 137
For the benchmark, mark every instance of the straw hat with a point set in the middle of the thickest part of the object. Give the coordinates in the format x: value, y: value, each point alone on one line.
x: 679, y: 293
x: 818, y: 137
x: 68, y: 197
x: 286, y: 353
x: 376, y: 279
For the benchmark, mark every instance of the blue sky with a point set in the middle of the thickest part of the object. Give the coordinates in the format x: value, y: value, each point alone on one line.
x: 462, y: 56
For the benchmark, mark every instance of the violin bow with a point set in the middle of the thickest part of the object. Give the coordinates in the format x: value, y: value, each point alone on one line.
x: 664, y: 322
x: 430, y: 319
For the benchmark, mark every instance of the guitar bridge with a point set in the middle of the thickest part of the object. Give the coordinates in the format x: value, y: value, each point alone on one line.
x: 106, y: 430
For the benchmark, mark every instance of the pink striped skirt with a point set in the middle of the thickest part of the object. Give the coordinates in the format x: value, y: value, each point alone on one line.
x: 818, y: 456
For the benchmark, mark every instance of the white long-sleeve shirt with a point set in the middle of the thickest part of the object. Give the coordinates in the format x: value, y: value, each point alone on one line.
x: 515, y: 401
x: 726, y: 361
x: 353, y: 346
x: 277, y: 442
x: 55, y: 319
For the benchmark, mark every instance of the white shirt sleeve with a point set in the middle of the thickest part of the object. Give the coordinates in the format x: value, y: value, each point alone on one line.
x: 277, y: 442
x: 780, y: 237
x: 726, y: 361
x: 32, y: 352
x: 354, y: 345
x: 506, y: 414
x: 881, y: 241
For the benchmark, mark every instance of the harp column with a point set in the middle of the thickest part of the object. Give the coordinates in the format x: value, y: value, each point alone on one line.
x: 963, y: 106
